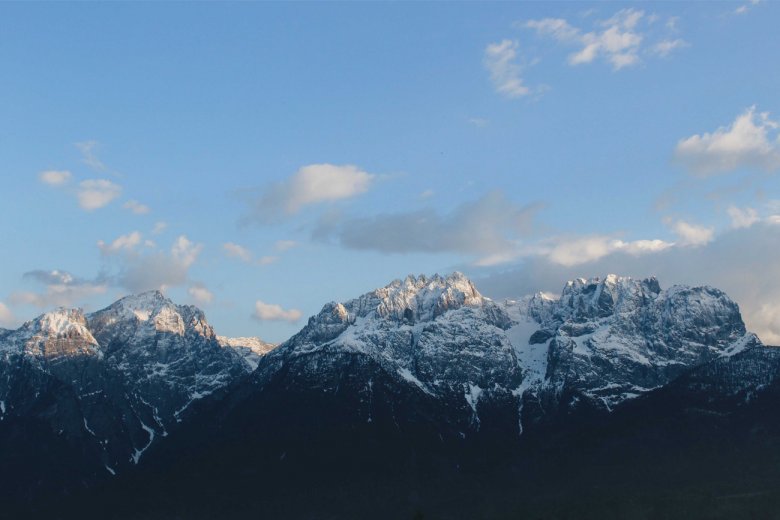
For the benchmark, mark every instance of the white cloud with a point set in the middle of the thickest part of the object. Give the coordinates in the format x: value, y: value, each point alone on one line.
x: 185, y: 251
x: 500, y: 60
x: 96, y: 193
x: 237, y: 251
x: 61, y: 289
x: 665, y: 47
x: 7, y: 318
x: 272, y: 312
x: 89, y: 156
x: 747, y: 143
x: 580, y: 250
x: 326, y: 182
x: 200, y: 294
x: 640, y: 247
x: 124, y: 242
x: 557, y: 28
x: 55, y: 177
x: 742, y: 218
x: 136, y: 207
x: 618, y: 41
x: 125, y: 265
x: 479, y: 122
x: 145, y: 270
x: 692, y: 234
x: 312, y: 184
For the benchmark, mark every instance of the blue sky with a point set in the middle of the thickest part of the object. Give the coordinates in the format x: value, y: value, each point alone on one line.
x: 259, y: 160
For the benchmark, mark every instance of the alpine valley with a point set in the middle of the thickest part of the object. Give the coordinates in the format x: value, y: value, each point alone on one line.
x: 421, y: 399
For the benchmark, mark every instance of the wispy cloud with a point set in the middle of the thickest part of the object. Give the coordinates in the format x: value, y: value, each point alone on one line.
x: 751, y: 141
x: 618, y: 40
x: 136, y: 207
x: 240, y: 252
x: 159, y: 227
x: 744, y: 8
x: 487, y: 228
x: 89, y: 155
x: 742, y: 218
x: 237, y: 251
x: 129, y: 263
x: 500, y: 60
x: 122, y: 243
x: 666, y: 47
x: 61, y: 288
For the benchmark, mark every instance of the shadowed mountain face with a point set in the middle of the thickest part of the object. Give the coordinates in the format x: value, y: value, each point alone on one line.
x: 419, y: 398
x: 83, y: 397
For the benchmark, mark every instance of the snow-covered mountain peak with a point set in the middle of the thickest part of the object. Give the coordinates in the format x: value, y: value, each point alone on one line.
x: 415, y: 299
x: 423, y: 298
x: 62, y: 323
x: 61, y: 332
x: 150, y: 313
x: 583, y: 299
x: 141, y: 306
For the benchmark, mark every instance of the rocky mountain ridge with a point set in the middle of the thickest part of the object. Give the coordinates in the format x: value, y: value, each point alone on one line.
x: 604, y: 341
x: 422, y: 375
x: 129, y: 373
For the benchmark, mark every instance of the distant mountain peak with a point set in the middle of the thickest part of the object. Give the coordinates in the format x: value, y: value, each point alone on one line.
x: 142, y: 305
x: 62, y: 322
x: 151, y: 312
x: 424, y: 298
x: 57, y: 333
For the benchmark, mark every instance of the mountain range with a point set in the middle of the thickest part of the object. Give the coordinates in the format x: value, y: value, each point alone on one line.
x: 420, y: 399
